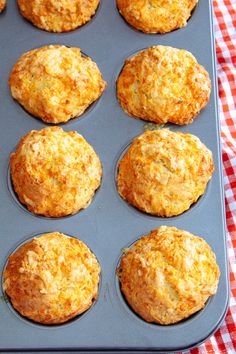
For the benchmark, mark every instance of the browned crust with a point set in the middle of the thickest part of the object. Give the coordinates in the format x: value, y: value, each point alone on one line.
x: 163, y: 84
x: 56, y: 83
x: 163, y: 173
x: 52, y: 278
x: 58, y: 15
x: 55, y: 173
x: 156, y: 16
x: 168, y: 275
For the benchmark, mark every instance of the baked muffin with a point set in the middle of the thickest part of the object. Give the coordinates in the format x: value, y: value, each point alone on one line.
x: 52, y: 278
x: 55, y: 173
x: 163, y: 84
x: 58, y: 15
x: 156, y: 16
x: 163, y: 173
x: 56, y: 83
x: 168, y: 275
x: 2, y: 5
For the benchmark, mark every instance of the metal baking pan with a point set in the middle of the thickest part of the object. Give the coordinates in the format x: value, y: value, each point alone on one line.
x: 109, y: 224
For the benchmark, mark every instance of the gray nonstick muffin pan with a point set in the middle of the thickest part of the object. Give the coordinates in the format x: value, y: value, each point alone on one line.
x: 109, y: 224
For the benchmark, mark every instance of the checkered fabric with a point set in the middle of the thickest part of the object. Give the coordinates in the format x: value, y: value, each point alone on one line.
x: 224, y: 340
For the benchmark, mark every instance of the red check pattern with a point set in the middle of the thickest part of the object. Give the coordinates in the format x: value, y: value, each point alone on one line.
x: 224, y: 340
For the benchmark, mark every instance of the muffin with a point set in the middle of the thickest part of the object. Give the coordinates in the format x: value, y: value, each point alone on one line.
x: 168, y: 275
x: 58, y: 15
x: 155, y: 16
x: 163, y: 84
x: 52, y: 278
x: 55, y: 173
x: 2, y: 5
x: 163, y: 173
x: 56, y: 83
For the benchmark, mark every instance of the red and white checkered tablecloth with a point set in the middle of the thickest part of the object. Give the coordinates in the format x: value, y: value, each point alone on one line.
x: 224, y: 340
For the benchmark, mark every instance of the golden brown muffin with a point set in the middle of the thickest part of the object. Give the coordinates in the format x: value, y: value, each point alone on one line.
x: 56, y: 83
x: 163, y: 173
x: 168, y: 275
x: 2, y: 5
x: 156, y: 16
x: 52, y: 278
x: 58, y: 15
x: 55, y: 173
x: 163, y: 84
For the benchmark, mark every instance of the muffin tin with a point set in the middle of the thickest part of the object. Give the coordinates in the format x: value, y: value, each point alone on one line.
x: 108, y: 225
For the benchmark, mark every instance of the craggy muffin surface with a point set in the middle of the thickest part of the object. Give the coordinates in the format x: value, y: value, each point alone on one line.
x: 56, y: 83
x: 55, y: 173
x: 156, y: 16
x: 168, y: 275
x: 58, y: 15
x: 52, y: 278
x: 163, y: 173
x: 163, y: 84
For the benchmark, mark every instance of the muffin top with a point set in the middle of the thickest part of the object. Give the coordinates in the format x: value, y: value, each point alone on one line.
x: 168, y: 275
x: 163, y: 173
x: 52, y: 278
x: 55, y: 173
x: 2, y: 5
x: 163, y: 84
x: 56, y: 83
x: 156, y: 16
x: 58, y: 15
